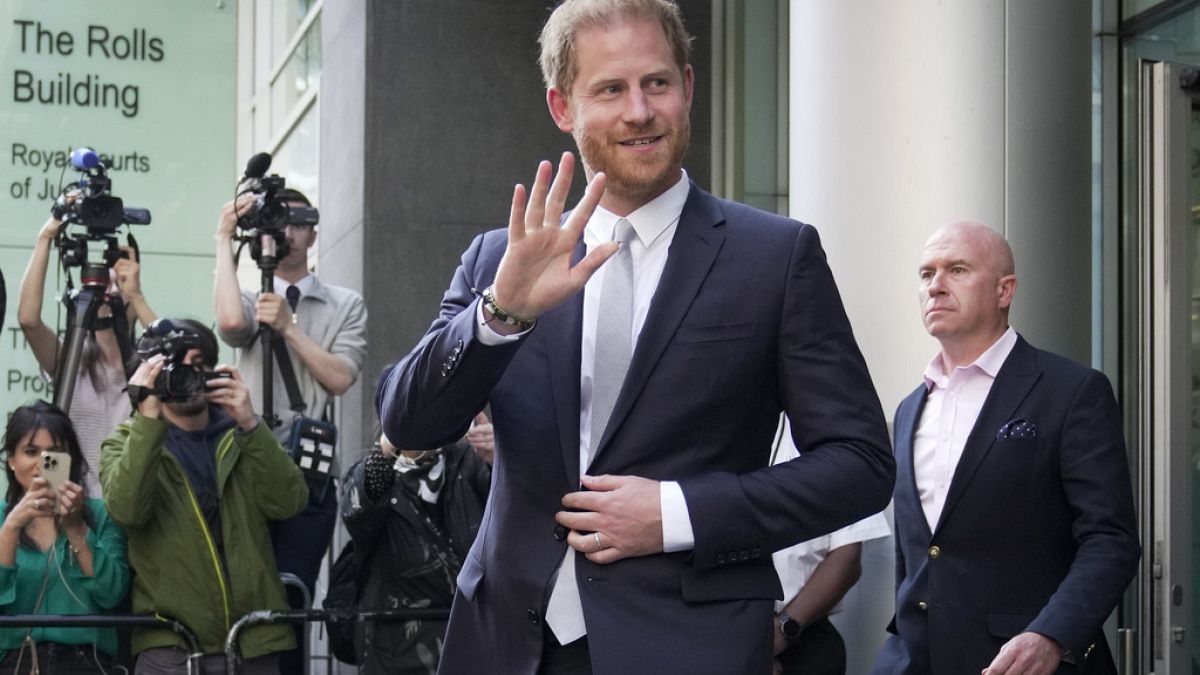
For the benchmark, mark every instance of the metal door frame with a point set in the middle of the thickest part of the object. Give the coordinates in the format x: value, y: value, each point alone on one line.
x: 1164, y: 399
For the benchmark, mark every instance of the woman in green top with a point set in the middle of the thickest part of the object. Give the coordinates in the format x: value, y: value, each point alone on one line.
x: 59, y: 551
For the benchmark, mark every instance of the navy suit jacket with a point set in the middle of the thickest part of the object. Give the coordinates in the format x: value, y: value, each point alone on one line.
x: 746, y: 321
x: 1038, y: 531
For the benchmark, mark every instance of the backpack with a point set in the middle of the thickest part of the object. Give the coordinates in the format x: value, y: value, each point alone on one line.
x: 342, y: 601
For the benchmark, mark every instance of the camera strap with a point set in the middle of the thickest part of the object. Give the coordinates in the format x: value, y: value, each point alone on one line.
x: 122, y: 329
x: 288, y: 373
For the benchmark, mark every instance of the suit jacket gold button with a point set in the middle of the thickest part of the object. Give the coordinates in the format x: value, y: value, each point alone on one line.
x: 934, y: 551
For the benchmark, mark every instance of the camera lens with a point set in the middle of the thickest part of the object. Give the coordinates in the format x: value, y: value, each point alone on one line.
x: 272, y: 215
x: 180, y: 381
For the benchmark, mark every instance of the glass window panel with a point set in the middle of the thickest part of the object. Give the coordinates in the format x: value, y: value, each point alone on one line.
x: 1134, y: 7
x: 301, y: 73
x: 1192, y: 638
x: 288, y: 16
x: 297, y: 157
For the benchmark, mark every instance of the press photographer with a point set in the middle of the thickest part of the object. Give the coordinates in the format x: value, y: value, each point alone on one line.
x: 100, y: 313
x: 321, y: 326
x: 195, y: 479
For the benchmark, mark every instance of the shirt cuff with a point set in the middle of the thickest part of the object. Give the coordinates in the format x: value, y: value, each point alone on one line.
x: 489, y: 337
x: 676, y: 521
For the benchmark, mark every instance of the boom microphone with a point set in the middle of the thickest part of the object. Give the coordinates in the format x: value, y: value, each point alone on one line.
x: 258, y: 165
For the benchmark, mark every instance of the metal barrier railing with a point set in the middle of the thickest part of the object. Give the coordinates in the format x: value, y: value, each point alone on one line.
x: 109, y: 621
x: 291, y: 581
x: 259, y: 617
x: 195, y: 654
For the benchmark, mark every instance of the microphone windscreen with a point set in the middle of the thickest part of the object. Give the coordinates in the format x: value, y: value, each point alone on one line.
x: 258, y: 165
x: 161, y: 327
x: 84, y: 159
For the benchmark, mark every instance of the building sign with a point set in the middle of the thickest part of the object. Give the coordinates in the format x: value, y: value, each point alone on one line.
x: 150, y: 85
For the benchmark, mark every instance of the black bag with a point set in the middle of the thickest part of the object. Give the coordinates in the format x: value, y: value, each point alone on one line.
x: 342, y: 599
x: 312, y: 444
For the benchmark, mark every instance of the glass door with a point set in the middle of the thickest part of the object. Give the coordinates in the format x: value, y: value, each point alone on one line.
x: 1166, y: 316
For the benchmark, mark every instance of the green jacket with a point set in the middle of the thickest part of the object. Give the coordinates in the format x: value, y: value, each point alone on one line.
x: 174, y: 557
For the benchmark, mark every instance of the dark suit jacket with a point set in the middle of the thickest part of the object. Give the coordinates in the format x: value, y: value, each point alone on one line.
x: 1038, y: 532
x: 746, y: 321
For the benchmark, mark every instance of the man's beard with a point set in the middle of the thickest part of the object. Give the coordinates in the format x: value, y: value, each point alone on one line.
x: 634, y: 178
x: 190, y: 407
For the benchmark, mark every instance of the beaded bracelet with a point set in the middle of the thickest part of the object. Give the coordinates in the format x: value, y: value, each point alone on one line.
x: 500, y: 314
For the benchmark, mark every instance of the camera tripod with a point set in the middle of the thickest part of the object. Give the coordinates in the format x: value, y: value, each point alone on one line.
x: 83, y: 306
x: 267, y: 248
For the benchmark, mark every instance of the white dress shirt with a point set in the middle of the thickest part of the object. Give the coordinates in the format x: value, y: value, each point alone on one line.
x: 950, y: 412
x: 796, y: 564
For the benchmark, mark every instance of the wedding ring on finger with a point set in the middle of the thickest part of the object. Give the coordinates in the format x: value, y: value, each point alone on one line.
x: 37, y: 503
x: 596, y: 536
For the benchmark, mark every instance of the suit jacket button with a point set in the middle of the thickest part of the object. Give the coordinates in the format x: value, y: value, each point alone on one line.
x: 934, y: 551
x: 532, y: 616
x: 922, y: 606
x: 560, y: 533
x: 720, y: 558
x: 745, y: 555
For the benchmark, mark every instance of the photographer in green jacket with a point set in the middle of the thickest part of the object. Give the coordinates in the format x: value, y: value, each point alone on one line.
x: 194, y: 478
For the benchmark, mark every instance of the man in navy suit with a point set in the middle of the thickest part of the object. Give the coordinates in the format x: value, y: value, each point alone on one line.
x: 1014, y: 520
x: 630, y: 527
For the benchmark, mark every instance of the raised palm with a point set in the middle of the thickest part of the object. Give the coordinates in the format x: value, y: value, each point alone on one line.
x: 535, y: 274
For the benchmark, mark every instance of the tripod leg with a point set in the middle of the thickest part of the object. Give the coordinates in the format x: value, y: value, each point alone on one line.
x: 84, y: 305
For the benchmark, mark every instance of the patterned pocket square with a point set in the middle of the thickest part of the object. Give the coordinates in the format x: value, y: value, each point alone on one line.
x: 1017, y: 429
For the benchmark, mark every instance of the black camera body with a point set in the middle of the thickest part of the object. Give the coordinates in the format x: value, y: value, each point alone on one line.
x: 263, y: 225
x: 272, y: 213
x: 89, y: 201
x: 177, y: 381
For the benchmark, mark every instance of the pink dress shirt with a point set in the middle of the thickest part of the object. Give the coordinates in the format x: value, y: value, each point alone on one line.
x: 952, y: 406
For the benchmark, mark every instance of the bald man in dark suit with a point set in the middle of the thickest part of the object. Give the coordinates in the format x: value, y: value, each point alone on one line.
x: 1014, y: 520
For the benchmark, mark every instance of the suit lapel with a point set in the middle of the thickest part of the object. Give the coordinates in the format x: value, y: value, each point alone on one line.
x: 908, y: 415
x: 691, y: 254
x: 563, y: 330
x: 1016, y: 377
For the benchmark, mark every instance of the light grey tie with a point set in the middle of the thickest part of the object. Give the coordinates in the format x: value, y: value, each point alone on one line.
x: 614, y: 327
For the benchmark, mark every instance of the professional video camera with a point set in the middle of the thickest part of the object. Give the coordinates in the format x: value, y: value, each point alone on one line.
x: 89, y: 202
x: 263, y: 227
x: 177, y: 381
x: 271, y: 212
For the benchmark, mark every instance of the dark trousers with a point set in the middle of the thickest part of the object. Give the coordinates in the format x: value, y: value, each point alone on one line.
x: 572, y: 659
x: 820, y: 650
x: 54, y: 658
x: 300, y: 545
